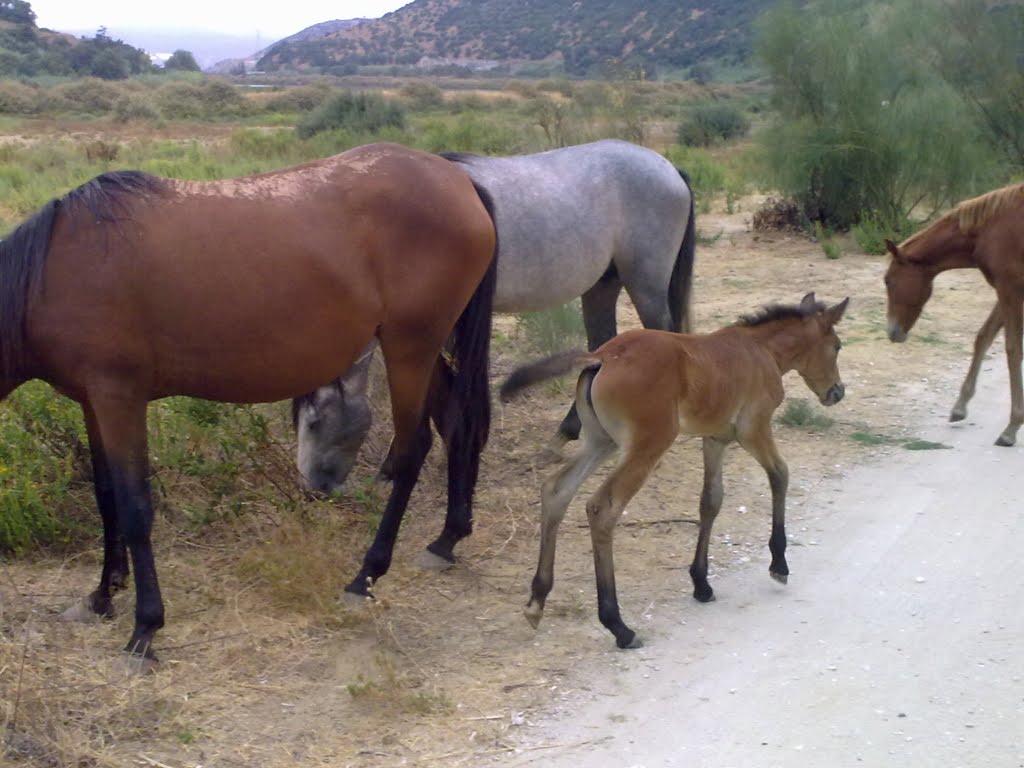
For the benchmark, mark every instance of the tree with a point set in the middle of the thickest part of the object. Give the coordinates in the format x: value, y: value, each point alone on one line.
x: 183, y: 61
x: 867, y: 128
x: 17, y: 12
x: 109, y: 65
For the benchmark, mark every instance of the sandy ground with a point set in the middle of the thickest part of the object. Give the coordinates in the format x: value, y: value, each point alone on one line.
x: 444, y: 671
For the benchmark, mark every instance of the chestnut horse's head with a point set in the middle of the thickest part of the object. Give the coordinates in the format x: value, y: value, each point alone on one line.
x: 908, y: 285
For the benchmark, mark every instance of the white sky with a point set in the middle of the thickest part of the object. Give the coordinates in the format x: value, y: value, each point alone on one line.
x: 270, y: 19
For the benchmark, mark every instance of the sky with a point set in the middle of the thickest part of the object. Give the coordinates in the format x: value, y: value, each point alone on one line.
x: 269, y: 19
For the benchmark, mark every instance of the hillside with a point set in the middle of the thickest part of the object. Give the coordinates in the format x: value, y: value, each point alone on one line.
x: 580, y: 36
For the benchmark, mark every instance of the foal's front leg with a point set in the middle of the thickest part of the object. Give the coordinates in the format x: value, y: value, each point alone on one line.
x: 760, y: 444
x: 982, y: 342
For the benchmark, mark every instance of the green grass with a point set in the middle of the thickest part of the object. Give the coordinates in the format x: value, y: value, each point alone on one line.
x: 873, y: 439
x: 801, y: 414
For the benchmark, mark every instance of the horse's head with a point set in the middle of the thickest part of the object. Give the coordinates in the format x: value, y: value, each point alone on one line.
x: 908, y: 285
x: 818, y: 366
x: 331, y: 424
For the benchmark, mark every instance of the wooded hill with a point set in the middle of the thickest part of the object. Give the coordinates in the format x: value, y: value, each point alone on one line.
x: 577, y: 36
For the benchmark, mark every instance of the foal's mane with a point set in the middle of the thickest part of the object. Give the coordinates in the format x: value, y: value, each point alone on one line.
x: 23, y: 251
x: 972, y: 214
x: 773, y: 312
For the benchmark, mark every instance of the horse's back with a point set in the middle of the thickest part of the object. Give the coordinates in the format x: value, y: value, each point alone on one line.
x: 565, y: 216
x: 279, y: 279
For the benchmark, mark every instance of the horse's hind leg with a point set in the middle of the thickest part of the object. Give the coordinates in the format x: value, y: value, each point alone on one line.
x: 982, y: 342
x: 710, y: 504
x: 1012, y: 311
x: 598, y: 304
x: 408, y: 380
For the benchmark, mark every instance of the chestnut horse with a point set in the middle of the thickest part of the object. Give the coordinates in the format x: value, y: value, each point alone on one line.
x: 132, y: 287
x: 640, y: 390
x: 985, y: 233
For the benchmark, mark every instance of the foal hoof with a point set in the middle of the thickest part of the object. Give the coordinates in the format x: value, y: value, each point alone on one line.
x: 957, y: 415
x: 429, y: 561
x: 80, y: 612
x: 782, y: 578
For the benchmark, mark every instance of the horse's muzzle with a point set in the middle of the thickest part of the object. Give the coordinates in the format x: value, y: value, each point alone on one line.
x: 896, y: 332
x: 834, y: 395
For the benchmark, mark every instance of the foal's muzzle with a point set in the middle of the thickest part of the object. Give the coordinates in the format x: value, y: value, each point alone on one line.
x: 834, y: 395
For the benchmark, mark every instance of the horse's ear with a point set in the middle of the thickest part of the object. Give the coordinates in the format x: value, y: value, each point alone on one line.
x: 835, y: 314
x: 808, y: 302
x: 892, y: 248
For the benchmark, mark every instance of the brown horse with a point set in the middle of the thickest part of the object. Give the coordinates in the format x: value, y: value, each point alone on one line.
x: 637, y: 392
x: 986, y: 233
x: 131, y: 288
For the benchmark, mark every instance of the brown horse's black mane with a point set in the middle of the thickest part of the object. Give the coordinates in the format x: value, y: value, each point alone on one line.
x: 23, y: 252
x: 778, y: 312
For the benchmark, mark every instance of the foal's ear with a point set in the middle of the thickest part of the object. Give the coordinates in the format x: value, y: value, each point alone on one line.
x: 835, y: 314
x: 892, y: 248
x: 808, y: 303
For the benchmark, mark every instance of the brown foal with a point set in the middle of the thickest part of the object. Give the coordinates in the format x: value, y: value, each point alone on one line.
x: 640, y: 390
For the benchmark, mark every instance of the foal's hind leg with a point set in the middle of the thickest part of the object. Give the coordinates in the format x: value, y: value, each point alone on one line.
x: 603, y: 511
x: 982, y: 342
x: 710, y: 504
x: 556, y: 493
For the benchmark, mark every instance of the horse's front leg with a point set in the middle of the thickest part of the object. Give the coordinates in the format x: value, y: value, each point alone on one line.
x: 982, y: 342
x: 710, y: 504
x: 114, y: 575
x: 1013, y: 319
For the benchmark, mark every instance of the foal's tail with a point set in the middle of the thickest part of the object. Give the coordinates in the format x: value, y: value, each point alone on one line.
x: 548, y: 368
x: 467, y: 404
x: 681, y: 283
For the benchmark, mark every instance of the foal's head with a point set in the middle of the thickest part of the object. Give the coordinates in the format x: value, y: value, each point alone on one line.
x: 908, y: 285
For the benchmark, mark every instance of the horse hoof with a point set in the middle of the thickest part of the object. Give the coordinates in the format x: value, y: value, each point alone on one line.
x: 782, y: 578
x: 533, y: 615
x: 136, y: 664
x: 632, y: 643
x: 352, y: 601
x: 1005, y: 442
x: 80, y: 613
x: 428, y: 561
x: 704, y: 597
x: 957, y: 415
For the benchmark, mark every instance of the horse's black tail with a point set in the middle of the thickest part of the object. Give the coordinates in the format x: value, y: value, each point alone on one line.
x: 680, y: 286
x: 466, y: 410
x: 22, y: 259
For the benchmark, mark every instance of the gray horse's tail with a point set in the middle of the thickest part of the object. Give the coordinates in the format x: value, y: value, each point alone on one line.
x: 681, y: 283
x: 556, y: 365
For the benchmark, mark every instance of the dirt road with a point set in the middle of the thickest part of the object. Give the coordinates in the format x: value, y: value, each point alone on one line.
x: 898, y: 641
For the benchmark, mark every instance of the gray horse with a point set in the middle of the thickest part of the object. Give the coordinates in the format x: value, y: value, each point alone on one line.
x: 580, y: 221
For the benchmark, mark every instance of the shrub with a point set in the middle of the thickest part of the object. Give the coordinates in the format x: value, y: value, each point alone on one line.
x: 355, y: 112
x: 18, y: 99
x: 90, y: 95
x: 709, y: 124
x: 422, y: 95
x: 300, y: 99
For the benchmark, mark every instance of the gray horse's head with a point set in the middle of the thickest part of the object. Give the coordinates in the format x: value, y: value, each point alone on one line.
x: 331, y: 424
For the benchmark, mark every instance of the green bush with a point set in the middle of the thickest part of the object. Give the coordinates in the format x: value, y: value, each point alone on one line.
x: 355, y: 112
x: 18, y: 99
x: 709, y: 124
x: 422, y: 95
x: 303, y: 98
x: 89, y: 95
x: 554, y: 330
